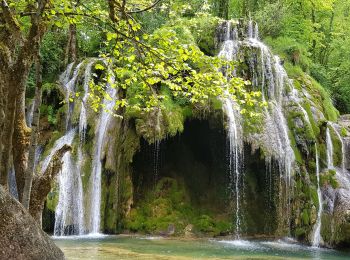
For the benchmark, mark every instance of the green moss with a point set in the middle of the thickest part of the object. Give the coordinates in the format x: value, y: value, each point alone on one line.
x: 343, y: 132
x: 305, y: 217
x: 314, y: 196
x: 315, y: 128
x: 52, y: 199
x: 337, y: 148
x: 329, y: 178
x: 54, y: 137
x: 300, y: 232
x: 169, y: 204
x: 330, y: 112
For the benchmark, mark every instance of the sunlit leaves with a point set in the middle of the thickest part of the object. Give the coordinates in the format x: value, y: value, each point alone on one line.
x: 143, y: 64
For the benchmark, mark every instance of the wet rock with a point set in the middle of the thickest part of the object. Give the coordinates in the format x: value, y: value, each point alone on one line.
x: 313, y: 216
x: 169, y: 232
x: 20, y: 235
x: 188, y: 231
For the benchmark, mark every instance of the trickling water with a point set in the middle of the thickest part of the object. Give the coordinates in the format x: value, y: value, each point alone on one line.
x: 253, y: 30
x: 66, y: 139
x: 156, y: 160
x: 12, y: 182
x: 70, y: 91
x: 229, y: 52
x: 342, y: 146
x: 30, y: 114
x: 95, y: 179
x: 268, y: 75
x: 70, y: 210
x: 83, y: 116
x: 316, y: 239
x: 235, y: 154
x: 329, y: 144
x: 69, y: 216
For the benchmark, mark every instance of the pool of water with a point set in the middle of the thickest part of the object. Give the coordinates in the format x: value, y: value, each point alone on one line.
x: 137, y: 247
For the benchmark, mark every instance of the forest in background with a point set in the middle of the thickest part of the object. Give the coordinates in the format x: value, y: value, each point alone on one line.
x: 311, y: 34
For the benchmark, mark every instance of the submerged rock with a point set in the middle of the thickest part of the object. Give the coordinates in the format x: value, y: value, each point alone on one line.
x: 20, y: 235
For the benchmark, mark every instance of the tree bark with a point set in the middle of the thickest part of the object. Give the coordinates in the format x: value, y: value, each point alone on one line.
x: 21, y: 139
x: 42, y: 184
x: 71, y: 47
x: 7, y: 135
x: 34, y: 136
x: 222, y: 9
x: 18, y: 62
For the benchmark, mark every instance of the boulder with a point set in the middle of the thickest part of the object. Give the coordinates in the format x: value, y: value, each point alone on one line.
x: 20, y: 235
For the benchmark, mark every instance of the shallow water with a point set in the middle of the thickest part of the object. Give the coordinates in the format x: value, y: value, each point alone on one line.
x: 136, y: 247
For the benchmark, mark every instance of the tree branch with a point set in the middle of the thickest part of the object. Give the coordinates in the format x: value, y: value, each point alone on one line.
x: 42, y: 183
x: 146, y: 9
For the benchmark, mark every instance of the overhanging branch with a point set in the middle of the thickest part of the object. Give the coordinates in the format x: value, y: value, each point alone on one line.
x: 146, y: 9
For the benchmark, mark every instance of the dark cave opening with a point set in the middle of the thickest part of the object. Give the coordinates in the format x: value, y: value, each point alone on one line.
x: 198, y: 158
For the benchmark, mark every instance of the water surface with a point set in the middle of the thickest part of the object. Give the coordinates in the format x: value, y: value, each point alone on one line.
x: 136, y: 247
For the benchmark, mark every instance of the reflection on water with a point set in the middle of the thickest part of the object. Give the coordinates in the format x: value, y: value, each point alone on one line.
x: 132, y: 247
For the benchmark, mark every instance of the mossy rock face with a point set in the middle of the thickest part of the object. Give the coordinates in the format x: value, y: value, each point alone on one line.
x: 169, y: 205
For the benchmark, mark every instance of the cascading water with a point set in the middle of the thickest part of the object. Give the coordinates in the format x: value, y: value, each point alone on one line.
x: 156, y: 160
x: 329, y: 144
x: 316, y: 236
x: 235, y: 159
x: 69, y: 215
x: 268, y: 75
x: 69, y: 87
x: 229, y: 51
x: 342, y: 145
x: 316, y: 239
x: 95, y: 179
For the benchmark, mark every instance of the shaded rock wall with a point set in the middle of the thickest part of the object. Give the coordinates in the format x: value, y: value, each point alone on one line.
x: 20, y: 235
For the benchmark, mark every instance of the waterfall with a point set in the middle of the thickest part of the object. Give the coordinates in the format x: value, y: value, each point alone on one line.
x: 156, y: 160
x: 66, y: 139
x: 68, y: 215
x: 273, y: 82
x: 70, y: 208
x: 329, y: 149
x: 12, y: 182
x: 30, y: 114
x: 69, y: 88
x: 235, y: 163
x: 268, y: 75
x: 83, y: 116
x: 95, y: 178
x: 316, y: 239
x: 342, y: 146
x: 229, y: 52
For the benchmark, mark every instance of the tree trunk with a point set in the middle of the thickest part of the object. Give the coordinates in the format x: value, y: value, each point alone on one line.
x: 7, y: 135
x: 21, y: 139
x: 2, y: 115
x: 42, y: 184
x: 34, y: 136
x: 71, y: 47
x: 222, y: 9
x: 17, y: 50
